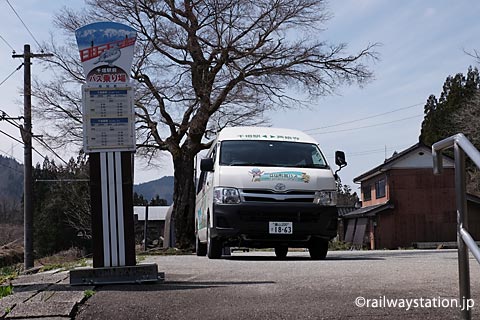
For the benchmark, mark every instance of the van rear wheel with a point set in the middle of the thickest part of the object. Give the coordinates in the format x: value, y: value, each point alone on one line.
x: 318, y: 248
x: 214, y: 246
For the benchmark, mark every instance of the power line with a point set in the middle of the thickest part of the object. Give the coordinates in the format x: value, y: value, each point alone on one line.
x: 12, y: 137
x: 49, y: 148
x: 11, y: 74
x: 19, y: 18
x: 10, y: 120
x: 373, y: 151
x: 8, y: 44
x: 365, y: 118
x: 62, y: 180
x: 366, y: 153
x: 370, y: 126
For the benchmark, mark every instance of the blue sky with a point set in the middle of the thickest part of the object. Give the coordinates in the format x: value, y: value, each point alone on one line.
x: 422, y: 42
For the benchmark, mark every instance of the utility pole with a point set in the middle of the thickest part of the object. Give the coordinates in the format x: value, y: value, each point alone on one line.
x: 26, y: 132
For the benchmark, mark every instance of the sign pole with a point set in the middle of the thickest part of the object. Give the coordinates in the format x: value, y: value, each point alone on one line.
x: 106, y: 52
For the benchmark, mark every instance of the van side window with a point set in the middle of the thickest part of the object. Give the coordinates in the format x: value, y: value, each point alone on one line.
x: 203, y: 175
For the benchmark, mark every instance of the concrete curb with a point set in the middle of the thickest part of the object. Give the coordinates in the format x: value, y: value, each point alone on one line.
x: 46, y: 295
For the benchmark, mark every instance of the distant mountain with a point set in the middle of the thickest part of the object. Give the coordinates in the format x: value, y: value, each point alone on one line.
x: 11, y: 190
x: 11, y: 179
x: 163, y: 187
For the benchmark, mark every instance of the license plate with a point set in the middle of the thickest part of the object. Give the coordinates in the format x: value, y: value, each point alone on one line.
x: 280, y: 227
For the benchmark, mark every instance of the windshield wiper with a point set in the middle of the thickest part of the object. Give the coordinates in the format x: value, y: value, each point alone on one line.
x: 310, y: 166
x: 260, y: 164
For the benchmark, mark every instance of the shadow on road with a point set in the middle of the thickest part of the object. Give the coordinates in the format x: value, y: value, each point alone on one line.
x: 179, y: 285
x: 296, y: 258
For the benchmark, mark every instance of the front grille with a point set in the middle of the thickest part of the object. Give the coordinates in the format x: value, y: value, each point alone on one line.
x: 288, y: 192
x: 276, y: 216
x: 267, y: 195
x: 265, y: 199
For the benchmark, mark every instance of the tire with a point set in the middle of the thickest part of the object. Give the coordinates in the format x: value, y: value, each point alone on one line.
x: 281, y: 252
x: 214, y: 246
x: 318, y: 249
x: 200, y: 248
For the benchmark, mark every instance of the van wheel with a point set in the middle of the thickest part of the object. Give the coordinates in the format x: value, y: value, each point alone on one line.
x: 214, y: 246
x: 318, y: 248
x: 281, y: 252
x: 200, y: 248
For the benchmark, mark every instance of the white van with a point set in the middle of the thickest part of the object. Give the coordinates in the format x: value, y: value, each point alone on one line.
x: 265, y: 187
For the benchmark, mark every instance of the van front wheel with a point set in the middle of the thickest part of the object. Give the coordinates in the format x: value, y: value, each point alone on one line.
x: 214, y: 246
x: 201, y: 248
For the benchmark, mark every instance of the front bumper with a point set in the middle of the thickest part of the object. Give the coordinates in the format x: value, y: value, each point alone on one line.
x: 247, y: 224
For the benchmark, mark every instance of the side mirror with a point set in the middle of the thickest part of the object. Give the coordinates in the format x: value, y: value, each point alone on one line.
x: 340, y: 159
x: 340, y: 162
x: 206, y: 164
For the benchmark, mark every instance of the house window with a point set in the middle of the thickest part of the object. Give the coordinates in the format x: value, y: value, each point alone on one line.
x: 380, y: 188
x: 367, y: 193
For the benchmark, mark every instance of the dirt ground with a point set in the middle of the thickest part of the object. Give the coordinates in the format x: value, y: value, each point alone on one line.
x: 11, y: 244
x: 10, y: 232
x: 11, y: 254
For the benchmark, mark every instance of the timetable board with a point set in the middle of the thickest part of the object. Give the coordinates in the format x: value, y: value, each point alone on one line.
x: 108, y: 119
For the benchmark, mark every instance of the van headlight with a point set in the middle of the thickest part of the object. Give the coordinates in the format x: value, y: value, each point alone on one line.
x: 226, y: 195
x: 325, y: 198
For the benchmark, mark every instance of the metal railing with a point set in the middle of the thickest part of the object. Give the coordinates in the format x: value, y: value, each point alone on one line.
x: 462, y: 146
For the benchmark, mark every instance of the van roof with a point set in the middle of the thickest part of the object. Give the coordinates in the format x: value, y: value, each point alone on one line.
x: 264, y: 133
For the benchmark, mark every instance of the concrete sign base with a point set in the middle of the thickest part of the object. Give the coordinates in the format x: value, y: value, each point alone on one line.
x: 116, y: 275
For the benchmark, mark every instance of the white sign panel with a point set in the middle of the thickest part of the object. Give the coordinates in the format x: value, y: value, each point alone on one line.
x: 106, y: 52
x: 108, y: 119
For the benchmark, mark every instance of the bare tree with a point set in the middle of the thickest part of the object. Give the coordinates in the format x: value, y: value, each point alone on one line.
x: 474, y: 54
x: 77, y: 211
x: 465, y: 120
x: 202, y: 65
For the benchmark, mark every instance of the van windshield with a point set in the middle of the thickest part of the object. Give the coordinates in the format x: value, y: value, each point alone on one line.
x: 271, y: 154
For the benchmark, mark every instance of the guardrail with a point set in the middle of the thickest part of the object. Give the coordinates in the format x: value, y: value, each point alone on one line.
x: 461, y: 146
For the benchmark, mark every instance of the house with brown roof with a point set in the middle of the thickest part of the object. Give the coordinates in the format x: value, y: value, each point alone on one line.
x: 404, y: 204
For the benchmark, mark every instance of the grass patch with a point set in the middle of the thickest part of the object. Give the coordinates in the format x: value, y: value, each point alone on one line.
x: 88, y: 293
x: 68, y: 265
x: 9, y: 273
x: 6, y: 291
x: 65, y: 260
x: 339, y: 245
x: 164, y: 252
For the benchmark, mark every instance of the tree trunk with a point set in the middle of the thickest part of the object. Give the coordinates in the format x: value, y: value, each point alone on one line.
x: 184, y: 200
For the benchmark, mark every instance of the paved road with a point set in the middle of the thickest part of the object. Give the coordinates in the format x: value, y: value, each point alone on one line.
x: 257, y: 286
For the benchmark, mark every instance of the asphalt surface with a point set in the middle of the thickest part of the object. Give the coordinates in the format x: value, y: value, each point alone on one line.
x: 257, y: 286
x: 357, y: 285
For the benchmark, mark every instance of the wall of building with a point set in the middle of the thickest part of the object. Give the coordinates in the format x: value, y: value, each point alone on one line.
x: 474, y: 220
x: 424, y: 208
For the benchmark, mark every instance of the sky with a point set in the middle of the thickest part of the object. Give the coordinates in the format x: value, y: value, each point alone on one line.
x: 421, y: 43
